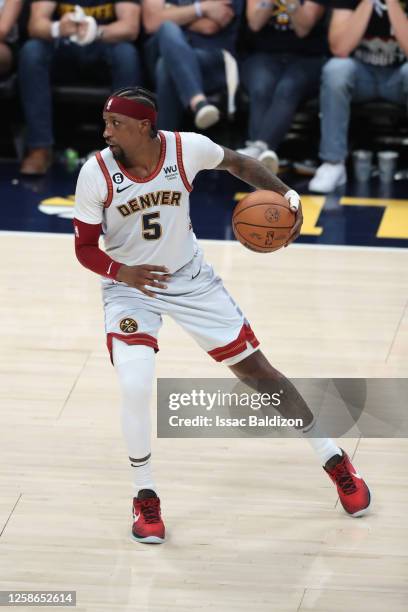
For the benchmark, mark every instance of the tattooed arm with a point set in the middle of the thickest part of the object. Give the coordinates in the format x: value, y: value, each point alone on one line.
x: 256, y: 174
x: 251, y: 171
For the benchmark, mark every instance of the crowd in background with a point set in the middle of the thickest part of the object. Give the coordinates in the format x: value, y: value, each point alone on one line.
x: 280, y: 52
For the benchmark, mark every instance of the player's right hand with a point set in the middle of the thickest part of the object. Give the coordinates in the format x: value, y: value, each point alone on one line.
x: 68, y: 27
x: 140, y: 276
x: 219, y: 11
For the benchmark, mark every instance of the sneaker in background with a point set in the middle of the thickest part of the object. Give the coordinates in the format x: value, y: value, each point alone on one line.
x: 206, y: 115
x: 253, y: 148
x: 258, y: 149
x: 328, y: 177
x: 269, y: 159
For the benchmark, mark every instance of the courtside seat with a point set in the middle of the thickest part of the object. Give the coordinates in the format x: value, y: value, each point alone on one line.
x: 377, y: 118
x: 374, y: 125
x: 78, y: 115
x: 11, y: 108
x: 81, y: 95
x: 8, y: 87
x: 384, y: 116
x: 378, y: 113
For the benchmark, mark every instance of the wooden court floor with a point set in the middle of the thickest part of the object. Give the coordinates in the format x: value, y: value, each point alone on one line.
x: 253, y: 524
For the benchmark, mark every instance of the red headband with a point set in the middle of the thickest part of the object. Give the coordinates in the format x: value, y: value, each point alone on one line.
x: 130, y: 108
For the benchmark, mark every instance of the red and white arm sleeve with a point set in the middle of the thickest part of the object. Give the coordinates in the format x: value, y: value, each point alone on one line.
x: 88, y: 252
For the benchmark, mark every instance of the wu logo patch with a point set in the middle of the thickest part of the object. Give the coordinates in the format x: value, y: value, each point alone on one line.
x: 128, y: 326
x: 118, y: 178
x: 170, y: 172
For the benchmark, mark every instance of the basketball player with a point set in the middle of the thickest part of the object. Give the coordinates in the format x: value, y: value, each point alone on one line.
x: 137, y: 191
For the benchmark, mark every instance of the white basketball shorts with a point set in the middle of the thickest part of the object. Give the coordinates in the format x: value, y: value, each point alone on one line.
x: 195, y: 298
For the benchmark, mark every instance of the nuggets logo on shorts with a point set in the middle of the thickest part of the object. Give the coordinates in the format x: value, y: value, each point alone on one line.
x: 128, y: 326
x: 272, y: 214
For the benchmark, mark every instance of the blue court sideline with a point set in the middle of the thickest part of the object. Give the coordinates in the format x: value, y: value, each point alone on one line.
x: 358, y: 214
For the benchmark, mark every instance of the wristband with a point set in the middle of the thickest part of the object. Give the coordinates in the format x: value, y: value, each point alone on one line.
x: 264, y: 4
x: 379, y: 7
x: 198, y: 9
x: 55, y: 29
x: 293, y: 198
x: 291, y: 7
x: 99, y: 33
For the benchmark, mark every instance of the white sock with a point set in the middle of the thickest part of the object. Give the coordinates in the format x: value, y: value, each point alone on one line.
x: 134, y: 365
x: 325, y: 448
x: 142, y: 476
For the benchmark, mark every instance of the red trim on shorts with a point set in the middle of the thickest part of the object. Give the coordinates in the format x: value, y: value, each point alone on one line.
x: 108, y: 179
x: 137, y: 179
x: 179, y: 151
x: 237, y: 346
x: 131, y: 339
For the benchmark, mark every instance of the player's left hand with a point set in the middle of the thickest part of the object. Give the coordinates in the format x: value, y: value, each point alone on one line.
x: 87, y: 31
x: 296, y: 206
x: 87, y: 28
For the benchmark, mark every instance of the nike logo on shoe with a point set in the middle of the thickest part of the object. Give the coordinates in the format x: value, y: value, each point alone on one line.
x: 356, y: 475
x: 136, y: 517
x: 119, y: 190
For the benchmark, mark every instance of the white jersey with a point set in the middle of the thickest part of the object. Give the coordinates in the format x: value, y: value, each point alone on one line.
x: 146, y: 221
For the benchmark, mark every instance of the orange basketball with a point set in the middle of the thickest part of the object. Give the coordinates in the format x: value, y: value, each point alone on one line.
x: 262, y: 221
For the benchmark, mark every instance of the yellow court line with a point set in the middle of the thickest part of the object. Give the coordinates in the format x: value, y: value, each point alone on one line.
x: 350, y: 201
x: 58, y: 201
x: 394, y: 222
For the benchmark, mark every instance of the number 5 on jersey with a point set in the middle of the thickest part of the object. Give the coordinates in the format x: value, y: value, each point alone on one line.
x: 151, y: 229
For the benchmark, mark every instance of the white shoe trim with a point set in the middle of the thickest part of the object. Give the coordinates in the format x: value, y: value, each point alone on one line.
x: 270, y: 160
x: 207, y: 116
x: 148, y: 539
x: 319, y: 182
x: 360, y: 512
x: 250, y: 151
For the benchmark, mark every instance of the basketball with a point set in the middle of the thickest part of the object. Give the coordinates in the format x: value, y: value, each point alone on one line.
x: 262, y: 221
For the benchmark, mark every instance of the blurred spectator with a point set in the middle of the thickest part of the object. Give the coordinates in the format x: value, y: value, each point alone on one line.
x: 370, y: 40
x: 287, y: 47
x: 9, y: 13
x: 193, y: 43
x: 65, y: 39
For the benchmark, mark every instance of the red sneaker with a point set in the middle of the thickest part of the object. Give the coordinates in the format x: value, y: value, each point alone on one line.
x: 148, y: 526
x: 353, y: 492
